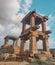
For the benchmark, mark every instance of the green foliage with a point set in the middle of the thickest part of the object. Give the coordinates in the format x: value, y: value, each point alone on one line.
x: 50, y: 60
x: 42, y: 52
x: 2, y: 58
x: 39, y: 62
x: 37, y: 57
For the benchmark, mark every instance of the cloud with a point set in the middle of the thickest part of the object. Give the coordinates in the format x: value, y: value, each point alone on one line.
x: 51, y: 18
x: 8, y: 9
x: 11, y: 14
x: 25, y: 5
x: 28, y: 2
x: 1, y: 28
x: 51, y: 43
x: 40, y: 44
x: 14, y: 29
x: 16, y: 19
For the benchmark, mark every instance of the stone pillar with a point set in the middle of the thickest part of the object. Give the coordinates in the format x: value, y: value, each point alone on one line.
x: 45, y: 44
x: 45, y: 40
x: 6, y: 42
x: 33, y: 46
x: 22, y: 46
x: 32, y: 21
x: 16, y: 42
x: 13, y: 42
x: 44, y: 26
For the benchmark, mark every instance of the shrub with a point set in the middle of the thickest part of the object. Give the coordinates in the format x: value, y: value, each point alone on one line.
x: 2, y: 58
x: 42, y: 52
x: 39, y: 62
x: 37, y: 57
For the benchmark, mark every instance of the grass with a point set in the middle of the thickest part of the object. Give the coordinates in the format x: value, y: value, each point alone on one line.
x: 39, y: 62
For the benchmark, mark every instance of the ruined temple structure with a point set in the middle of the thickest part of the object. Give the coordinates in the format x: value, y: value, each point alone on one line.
x: 15, y: 40
x: 33, y: 34
x: 14, y: 48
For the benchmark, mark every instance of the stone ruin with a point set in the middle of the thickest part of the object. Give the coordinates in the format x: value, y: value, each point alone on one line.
x: 14, y: 48
x: 32, y: 34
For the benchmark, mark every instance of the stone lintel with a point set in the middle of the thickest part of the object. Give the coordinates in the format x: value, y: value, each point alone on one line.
x: 38, y: 18
x: 11, y: 37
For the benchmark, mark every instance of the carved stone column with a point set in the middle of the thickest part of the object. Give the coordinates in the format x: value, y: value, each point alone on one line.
x: 22, y: 46
x: 32, y: 21
x: 33, y: 41
x: 45, y: 44
x: 16, y: 42
x: 33, y: 46
x: 13, y: 42
x: 45, y: 40
x: 6, y: 42
x: 44, y: 26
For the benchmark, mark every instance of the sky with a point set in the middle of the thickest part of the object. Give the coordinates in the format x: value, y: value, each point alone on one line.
x: 12, y: 12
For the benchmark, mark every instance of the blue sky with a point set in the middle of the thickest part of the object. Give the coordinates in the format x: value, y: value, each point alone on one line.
x: 44, y: 6
x: 12, y: 12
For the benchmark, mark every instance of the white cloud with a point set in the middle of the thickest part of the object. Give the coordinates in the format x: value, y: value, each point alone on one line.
x: 17, y: 18
x: 14, y: 29
x: 26, y: 5
x: 51, y: 18
x: 1, y: 28
x: 47, y: 27
x: 9, y: 10
x: 40, y: 44
x: 28, y: 2
x: 51, y: 43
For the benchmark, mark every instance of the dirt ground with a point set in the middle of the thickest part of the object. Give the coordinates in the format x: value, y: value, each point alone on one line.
x: 14, y: 63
